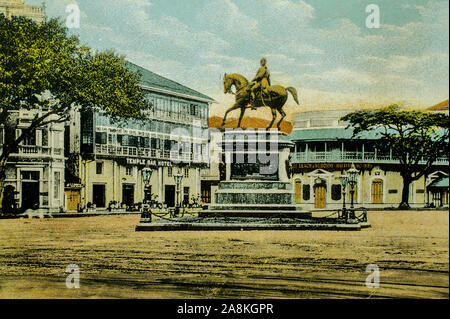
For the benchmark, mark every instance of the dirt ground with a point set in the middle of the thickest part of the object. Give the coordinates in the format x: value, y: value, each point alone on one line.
x: 411, y: 250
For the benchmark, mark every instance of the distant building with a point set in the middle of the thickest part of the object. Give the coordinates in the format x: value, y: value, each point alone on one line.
x: 106, y: 159
x: 440, y: 107
x: 35, y: 170
x: 18, y: 8
x: 324, y: 151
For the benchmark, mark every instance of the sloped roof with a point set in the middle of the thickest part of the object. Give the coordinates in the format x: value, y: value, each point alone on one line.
x: 439, y: 107
x: 440, y: 183
x: 154, y: 80
x: 247, y: 122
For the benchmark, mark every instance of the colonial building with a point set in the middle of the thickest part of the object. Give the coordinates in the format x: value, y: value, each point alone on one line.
x: 107, y: 159
x: 11, y: 8
x: 35, y: 170
x: 324, y: 151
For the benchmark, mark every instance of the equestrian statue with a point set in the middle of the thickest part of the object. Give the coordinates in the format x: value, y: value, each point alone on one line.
x: 257, y: 93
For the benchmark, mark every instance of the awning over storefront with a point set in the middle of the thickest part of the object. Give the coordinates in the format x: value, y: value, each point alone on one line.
x: 439, y: 184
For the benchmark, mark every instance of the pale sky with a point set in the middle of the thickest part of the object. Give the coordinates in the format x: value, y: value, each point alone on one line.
x: 321, y: 47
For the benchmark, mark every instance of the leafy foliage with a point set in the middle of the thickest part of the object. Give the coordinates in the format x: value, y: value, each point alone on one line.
x: 37, y: 58
x: 45, y: 70
x: 416, y: 138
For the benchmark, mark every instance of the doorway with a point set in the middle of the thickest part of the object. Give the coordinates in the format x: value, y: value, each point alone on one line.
x: 298, y: 191
x: 186, y: 195
x: 206, y: 192
x: 377, y: 191
x: 169, y: 195
x: 98, y: 195
x: 320, y: 195
x: 73, y: 199
x: 128, y: 194
x: 30, y: 195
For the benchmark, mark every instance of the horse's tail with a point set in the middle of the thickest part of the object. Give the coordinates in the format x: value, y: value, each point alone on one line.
x: 293, y: 91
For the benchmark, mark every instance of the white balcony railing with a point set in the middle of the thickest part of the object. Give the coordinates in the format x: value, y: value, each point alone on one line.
x: 142, y: 152
x: 347, y: 157
x: 37, y: 151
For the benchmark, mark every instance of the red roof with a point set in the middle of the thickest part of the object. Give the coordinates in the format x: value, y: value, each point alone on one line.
x: 249, y: 122
x: 439, y: 107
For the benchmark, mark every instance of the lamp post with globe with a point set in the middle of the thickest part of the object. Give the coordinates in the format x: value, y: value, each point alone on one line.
x: 146, y: 175
x: 344, y: 182
x: 178, y: 179
x: 352, y: 181
x: 146, y: 215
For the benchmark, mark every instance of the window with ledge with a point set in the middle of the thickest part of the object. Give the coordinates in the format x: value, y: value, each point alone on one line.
x: 56, y: 186
x: 186, y: 195
x: 58, y: 140
x: 100, y: 137
x: 317, y: 147
x: 186, y: 172
x: 193, y: 110
x: 112, y: 139
x: 30, y: 139
x: 44, y: 133
x: 30, y: 175
x: 129, y: 171
x: 336, y: 192
x: 99, y: 168
x: 169, y: 172
x: 306, y: 192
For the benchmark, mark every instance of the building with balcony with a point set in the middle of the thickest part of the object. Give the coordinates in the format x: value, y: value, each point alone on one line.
x: 35, y: 170
x: 11, y: 8
x: 107, y: 158
x: 324, y: 150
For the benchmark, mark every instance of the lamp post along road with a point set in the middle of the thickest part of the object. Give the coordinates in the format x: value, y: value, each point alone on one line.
x: 146, y: 215
x: 344, y: 182
x: 178, y: 178
x: 146, y: 175
x: 353, y: 181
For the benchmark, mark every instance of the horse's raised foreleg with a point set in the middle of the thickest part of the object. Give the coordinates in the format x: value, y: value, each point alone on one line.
x: 274, y: 116
x: 241, y: 116
x: 283, y: 115
x: 232, y: 108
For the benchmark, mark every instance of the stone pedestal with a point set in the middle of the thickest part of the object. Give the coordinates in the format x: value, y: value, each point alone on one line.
x: 257, y: 180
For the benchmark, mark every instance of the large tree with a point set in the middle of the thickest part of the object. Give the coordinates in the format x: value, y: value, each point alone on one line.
x: 416, y: 139
x: 45, y: 70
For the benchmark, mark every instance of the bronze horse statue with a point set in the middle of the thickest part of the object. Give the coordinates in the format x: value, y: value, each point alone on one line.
x: 277, y: 97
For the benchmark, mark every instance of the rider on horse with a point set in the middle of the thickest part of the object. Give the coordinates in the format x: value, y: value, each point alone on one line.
x: 262, y: 79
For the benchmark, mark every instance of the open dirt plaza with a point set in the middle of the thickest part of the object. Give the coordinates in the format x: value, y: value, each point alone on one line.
x: 411, y: 249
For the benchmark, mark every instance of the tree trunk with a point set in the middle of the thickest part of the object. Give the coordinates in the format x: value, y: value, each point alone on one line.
x: 2, y: 178
x: 405, y: 193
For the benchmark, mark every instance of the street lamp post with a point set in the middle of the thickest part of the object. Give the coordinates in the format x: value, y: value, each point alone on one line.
x: 352, y: 180
x: 344, y: 182
x: 146, y: 214
x: 178, y: 178
x: 146, y: 175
